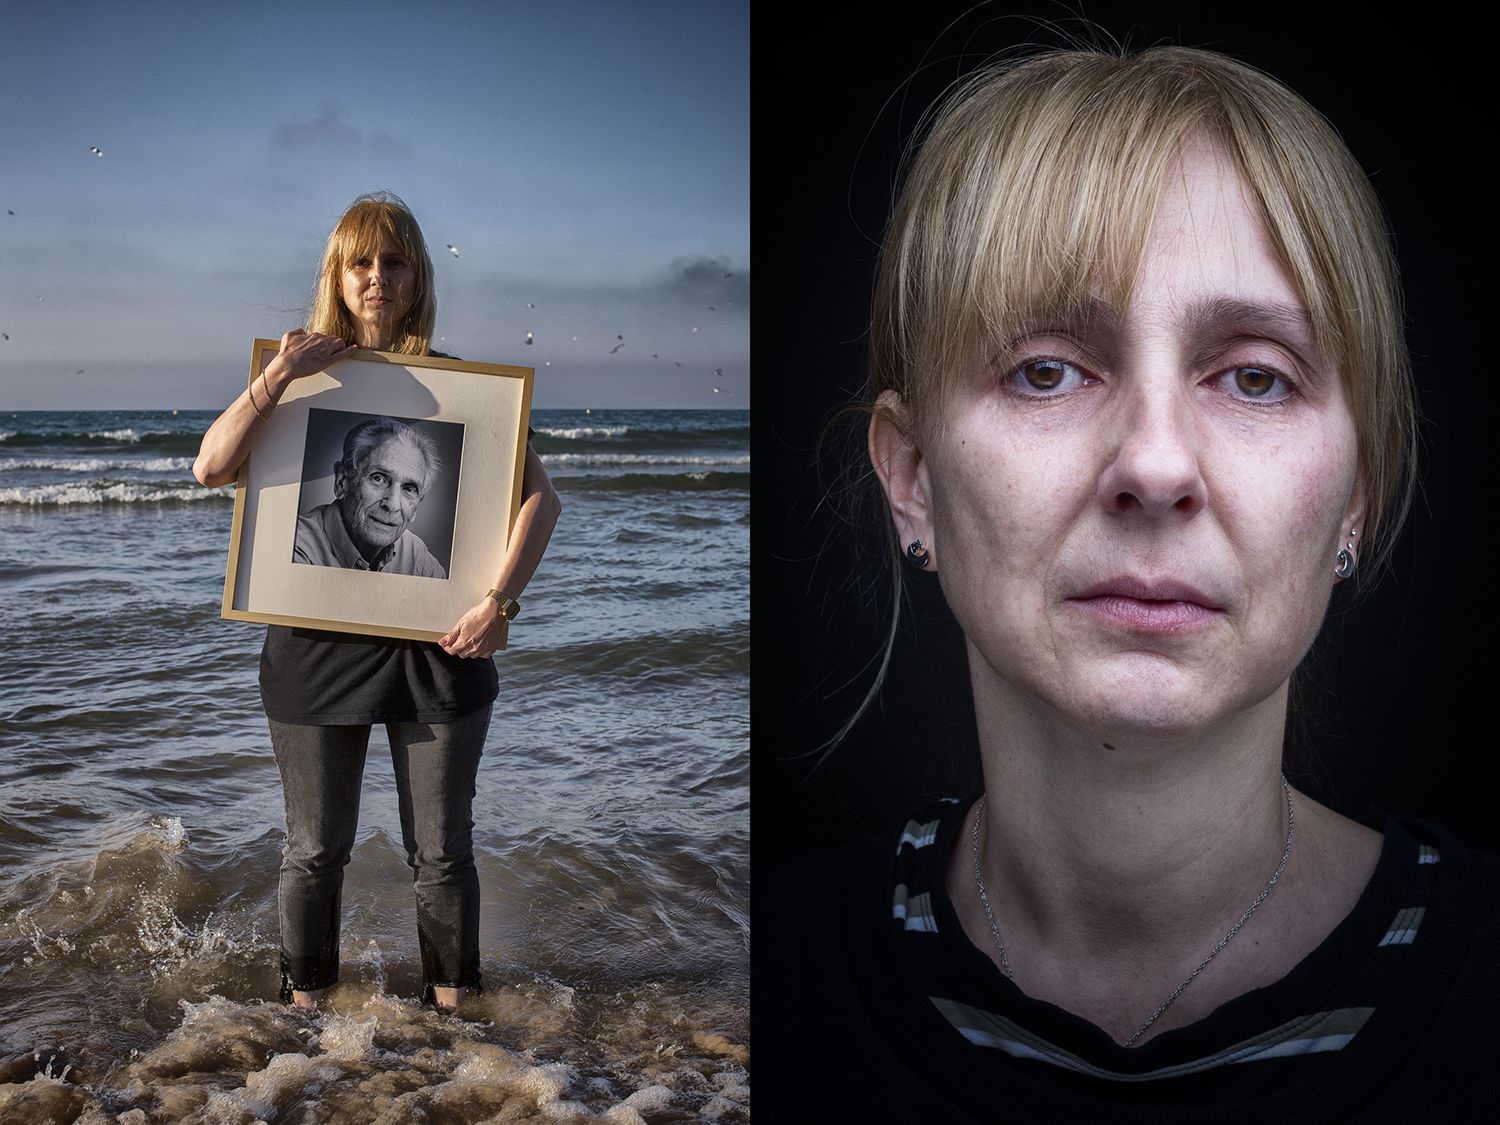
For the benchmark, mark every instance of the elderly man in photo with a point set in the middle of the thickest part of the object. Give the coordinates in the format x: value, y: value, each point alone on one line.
x: 386, y: 469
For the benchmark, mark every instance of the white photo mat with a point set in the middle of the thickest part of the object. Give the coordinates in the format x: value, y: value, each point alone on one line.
x: 262, y: 583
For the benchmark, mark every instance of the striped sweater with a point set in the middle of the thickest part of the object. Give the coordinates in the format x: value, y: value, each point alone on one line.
x: 1389, y: 1019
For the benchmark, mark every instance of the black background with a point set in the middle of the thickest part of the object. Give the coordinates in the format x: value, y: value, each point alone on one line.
x: 1392, y: 708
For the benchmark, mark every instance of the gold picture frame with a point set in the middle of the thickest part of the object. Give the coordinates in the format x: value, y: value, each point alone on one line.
x: 481, y: 410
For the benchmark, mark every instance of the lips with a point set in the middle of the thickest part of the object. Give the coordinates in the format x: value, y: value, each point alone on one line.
x: 1150, y: 590
x: 1149, y: 605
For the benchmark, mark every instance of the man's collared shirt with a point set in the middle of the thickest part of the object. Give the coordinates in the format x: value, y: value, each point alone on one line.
x: 322, y: 540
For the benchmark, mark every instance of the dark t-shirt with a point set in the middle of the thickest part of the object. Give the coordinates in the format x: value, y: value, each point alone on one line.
x: 872, y: 1005
x: 321, y: 678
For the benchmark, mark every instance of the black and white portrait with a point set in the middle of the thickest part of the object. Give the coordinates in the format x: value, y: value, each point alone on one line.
x: 378, y: 493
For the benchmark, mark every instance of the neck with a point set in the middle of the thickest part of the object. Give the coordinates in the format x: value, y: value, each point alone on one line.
x: 368, y: 336
x: 1115, y: 861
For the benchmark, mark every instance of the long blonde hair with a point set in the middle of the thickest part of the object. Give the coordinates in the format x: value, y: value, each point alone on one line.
x: 370, y: 220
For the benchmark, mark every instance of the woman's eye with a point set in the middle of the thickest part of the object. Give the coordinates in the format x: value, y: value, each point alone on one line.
x: 1255, y: 384
x: 1044, y: 377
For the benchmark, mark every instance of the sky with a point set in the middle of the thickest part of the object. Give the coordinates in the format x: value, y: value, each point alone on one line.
x: 589, y: 161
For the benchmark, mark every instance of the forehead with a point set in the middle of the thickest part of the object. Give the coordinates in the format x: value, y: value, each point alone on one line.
x: 1207, y: 239
x: 398, y: 457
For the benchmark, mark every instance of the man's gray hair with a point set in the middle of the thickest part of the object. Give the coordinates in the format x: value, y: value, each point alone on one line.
x: 372, y: 433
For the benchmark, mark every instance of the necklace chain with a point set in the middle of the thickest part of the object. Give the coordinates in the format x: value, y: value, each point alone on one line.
x: 989, y: 914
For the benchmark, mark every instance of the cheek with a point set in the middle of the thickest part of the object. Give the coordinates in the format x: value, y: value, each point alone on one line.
x: 1001, y: 517
x: 1285, y: 520
x: 1005, y: 500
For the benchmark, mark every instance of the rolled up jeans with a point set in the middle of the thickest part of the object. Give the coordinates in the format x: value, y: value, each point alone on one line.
x: 321, y: 770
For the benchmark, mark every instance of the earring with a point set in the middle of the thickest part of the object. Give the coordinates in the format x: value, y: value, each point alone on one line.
x: 1343, y: 565
x: 916, y: 554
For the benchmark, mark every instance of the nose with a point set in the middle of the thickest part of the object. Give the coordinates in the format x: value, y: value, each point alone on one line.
x: 1156, y: 464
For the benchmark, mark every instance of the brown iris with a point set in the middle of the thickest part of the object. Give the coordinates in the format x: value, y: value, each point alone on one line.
x: 1044, y: 374
x: 1254, y: 382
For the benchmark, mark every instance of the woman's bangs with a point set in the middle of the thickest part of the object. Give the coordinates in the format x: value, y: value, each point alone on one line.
x: 1044, y: 256
x: 365, y: 230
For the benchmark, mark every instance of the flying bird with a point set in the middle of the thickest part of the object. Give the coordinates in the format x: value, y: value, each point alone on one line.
x: 4, y: 335
x: 453, y: 248
x: 531, y: 304
x: 528, y: 339
x: 616, y: 348
x: 695, y: 328
x: 96, y: 150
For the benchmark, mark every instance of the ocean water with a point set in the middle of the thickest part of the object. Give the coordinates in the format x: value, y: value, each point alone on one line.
x: 141, y: 822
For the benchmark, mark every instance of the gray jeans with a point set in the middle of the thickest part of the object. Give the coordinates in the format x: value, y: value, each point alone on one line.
x: 321, y: 770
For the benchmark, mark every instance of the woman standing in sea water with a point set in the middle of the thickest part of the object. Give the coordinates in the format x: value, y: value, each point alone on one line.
x: 323, y: 691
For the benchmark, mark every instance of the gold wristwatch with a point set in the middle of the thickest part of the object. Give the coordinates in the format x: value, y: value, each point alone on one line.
x: 509, y: 607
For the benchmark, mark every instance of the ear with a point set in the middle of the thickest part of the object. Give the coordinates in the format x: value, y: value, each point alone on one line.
x: 1353, y: 533
x: 902, y: 471
x: 338, y: 480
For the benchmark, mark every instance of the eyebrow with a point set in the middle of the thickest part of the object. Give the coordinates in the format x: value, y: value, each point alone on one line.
x: 1277, y: 319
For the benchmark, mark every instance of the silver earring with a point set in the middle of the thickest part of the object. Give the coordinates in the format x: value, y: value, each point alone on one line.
x: 917, y: 555
x: 1344, y: 564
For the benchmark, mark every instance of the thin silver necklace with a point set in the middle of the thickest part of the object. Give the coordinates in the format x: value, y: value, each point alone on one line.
x: 984, y: 900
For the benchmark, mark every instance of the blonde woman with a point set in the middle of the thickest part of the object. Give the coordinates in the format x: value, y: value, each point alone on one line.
x: 1139, y: 400
x: 323, y: 691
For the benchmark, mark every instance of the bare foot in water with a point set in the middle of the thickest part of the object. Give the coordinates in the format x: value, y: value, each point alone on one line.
x: 446, y: 999
x: 309, y: 1001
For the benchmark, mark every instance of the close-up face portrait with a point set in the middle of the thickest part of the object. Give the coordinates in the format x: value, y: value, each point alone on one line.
x: 1121, y: 469
x: 1132, y: 388
x: 1104, y: 473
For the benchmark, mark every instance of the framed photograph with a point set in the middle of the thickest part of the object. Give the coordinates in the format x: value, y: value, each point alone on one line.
x: 380, y: 495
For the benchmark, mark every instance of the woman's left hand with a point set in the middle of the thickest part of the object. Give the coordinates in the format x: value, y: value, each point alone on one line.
x: 480, y: 632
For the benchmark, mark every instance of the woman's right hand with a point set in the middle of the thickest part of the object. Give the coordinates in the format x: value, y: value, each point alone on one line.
x: 303, y: 353
x: 228, y: 441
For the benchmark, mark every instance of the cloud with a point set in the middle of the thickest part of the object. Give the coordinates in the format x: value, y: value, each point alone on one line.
x: 708, y: 280
x: 327, y: 132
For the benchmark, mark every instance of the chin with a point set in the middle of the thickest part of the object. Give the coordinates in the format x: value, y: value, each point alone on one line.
x: 382, y: 541
x: 1150, y: 699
